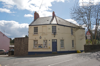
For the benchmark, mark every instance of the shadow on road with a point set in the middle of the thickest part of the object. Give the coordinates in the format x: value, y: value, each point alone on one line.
x: 91, y: 55
x: 40, y: 55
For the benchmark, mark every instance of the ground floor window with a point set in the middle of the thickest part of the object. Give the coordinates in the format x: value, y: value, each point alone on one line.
x: 45, y: 43
x: 35, y: 43
x: 72, y: 43
x: 62, y: 43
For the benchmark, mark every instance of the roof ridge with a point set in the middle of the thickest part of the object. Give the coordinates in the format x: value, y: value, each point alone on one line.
x: 45, y: 17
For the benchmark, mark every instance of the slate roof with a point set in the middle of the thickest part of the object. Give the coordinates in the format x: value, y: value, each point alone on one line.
x: 51, y: 20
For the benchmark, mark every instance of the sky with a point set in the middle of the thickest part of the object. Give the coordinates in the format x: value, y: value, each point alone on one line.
x: 16, y: 15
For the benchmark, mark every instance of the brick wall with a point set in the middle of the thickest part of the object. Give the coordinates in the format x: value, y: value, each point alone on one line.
x: 21, y: 46
x: 91, y: 48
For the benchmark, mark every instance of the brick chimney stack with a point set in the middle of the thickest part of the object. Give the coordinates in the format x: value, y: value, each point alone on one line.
x: 36, y: 15
x: 53, y: 14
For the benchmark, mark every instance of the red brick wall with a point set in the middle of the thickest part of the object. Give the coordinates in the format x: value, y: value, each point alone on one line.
x: 21, y: 46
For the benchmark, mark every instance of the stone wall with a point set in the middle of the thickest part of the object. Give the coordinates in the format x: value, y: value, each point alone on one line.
x: 91, y: 48
x: 21, y: 46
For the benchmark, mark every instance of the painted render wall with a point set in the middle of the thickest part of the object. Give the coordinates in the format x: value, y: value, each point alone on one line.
x: 4, y: 42
x: 45, y: 31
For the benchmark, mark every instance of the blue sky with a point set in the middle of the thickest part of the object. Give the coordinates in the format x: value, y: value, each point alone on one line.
x: 16, y: 15
x: 62, y: 9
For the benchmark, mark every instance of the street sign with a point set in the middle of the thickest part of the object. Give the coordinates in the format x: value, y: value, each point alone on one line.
x: 88, y: 35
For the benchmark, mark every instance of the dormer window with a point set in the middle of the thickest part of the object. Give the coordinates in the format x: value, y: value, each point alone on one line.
x: 35, y: 30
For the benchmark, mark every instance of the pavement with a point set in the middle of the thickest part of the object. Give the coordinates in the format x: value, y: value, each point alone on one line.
x: 76, y: 59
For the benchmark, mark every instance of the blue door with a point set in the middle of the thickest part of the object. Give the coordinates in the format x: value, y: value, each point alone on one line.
x: 54, y: 45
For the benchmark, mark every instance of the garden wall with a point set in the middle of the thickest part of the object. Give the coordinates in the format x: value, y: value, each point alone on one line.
x: 21, y: 46
x: 91, y: 48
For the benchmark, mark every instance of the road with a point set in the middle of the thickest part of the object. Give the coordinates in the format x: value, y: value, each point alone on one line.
x: 76, y: 59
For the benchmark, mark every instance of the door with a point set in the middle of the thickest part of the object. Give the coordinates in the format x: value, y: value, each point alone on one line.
x: 54, y: 45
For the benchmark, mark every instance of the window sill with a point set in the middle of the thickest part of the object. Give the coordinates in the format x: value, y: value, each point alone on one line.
x: 41, y: 48
x: 35, y: 34
x: 73, y: 47
x: 62, y: 47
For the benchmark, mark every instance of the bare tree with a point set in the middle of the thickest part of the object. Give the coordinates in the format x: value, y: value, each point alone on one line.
x: 88, y: 15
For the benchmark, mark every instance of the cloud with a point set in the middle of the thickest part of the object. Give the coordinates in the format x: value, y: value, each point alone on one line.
x: 86, y: 2
x: 5, y: 10
x: 28, y: 15
x: 72, y: 21
x: 31, y: 5
x: 13, y: 29
x: 95, y: 26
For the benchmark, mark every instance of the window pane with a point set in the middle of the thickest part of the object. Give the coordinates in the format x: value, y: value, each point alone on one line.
x: 62, y: 43
x: 45, y: 43
x: 35, y: 30
x: 35, y: 43
x: 72, y: 43
x: 71, y: 31
x: 53, y: 29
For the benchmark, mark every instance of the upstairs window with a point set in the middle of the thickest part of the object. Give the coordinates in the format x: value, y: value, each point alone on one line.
x: 72, y: 43
x: 53, y: 29
x: 71, y: 31
x: 35, y: 30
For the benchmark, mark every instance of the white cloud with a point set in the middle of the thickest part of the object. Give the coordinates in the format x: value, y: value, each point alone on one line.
x: 13, y: 29
x: 28, y: 15
x: 84, y: 26
x: 31, y: 5
x: 86, y: 2
x: 72, y: 21
x: 5, y: 10
x: 95, y: 26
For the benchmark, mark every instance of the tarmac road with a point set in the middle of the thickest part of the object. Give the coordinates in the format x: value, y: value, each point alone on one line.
x: 76, y: 59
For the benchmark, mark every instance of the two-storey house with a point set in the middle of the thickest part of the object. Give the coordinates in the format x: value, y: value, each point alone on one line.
x: 54, y: 34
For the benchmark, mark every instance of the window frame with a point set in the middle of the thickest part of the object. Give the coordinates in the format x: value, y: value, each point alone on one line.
x: 34, y: 44
x: 35, y: 30
x: 73, y: 45
x: 71, y: 31
x: 44, y: 43
x: 53, y: 29
x: 60, y: 43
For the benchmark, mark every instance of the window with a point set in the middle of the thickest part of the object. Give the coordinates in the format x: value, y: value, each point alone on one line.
x: 35, y: 30
x: 53, y: 29
x: 71, y: 31
x: 35, y: 43
x: 62, y: 43
x: 45, y: 43
x: 72, y: 43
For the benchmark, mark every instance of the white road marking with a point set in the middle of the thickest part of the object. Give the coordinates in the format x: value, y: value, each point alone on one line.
x: 60, y: 62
